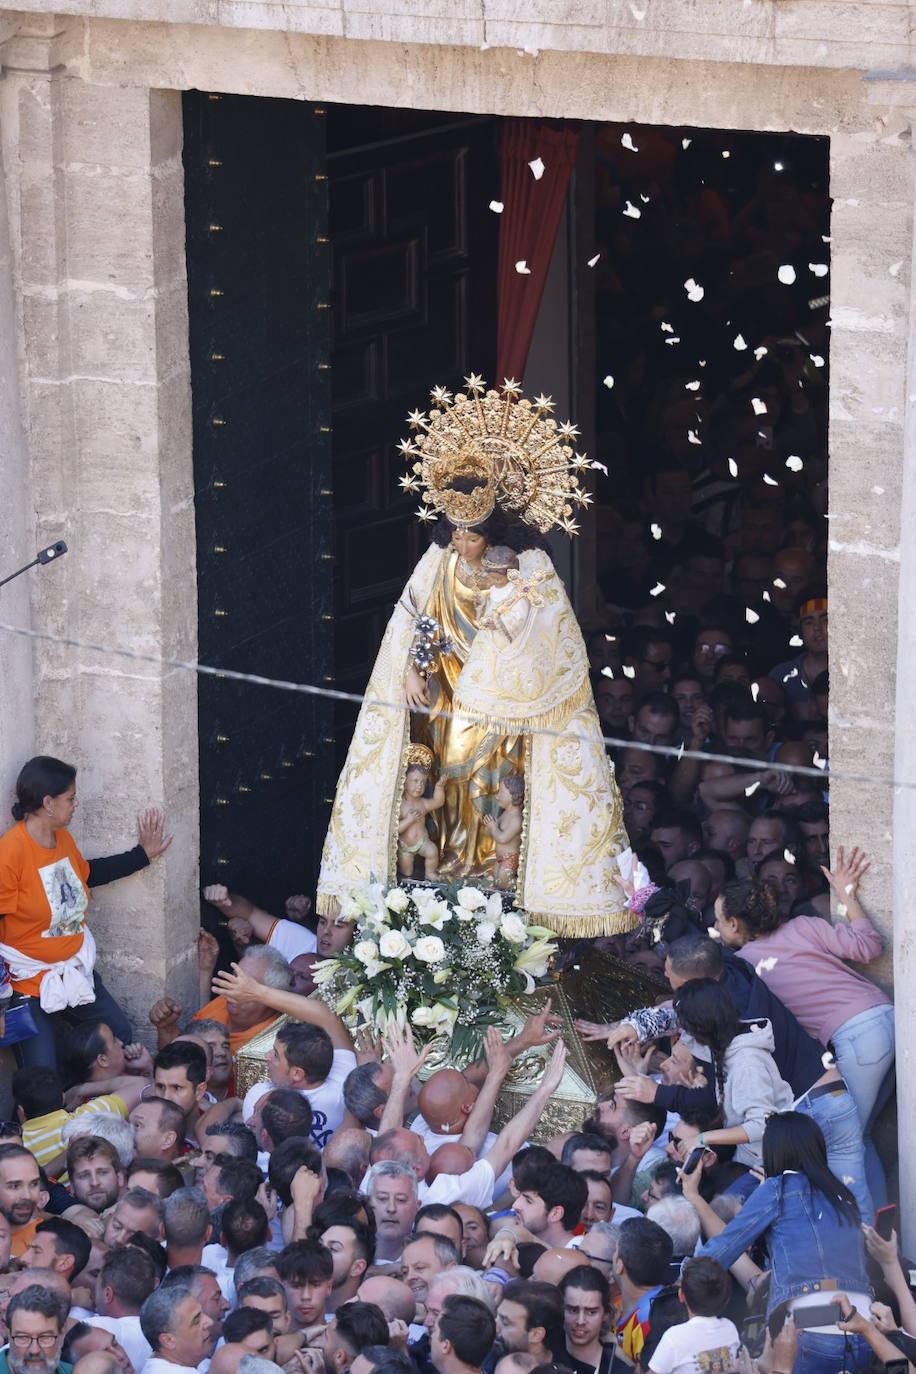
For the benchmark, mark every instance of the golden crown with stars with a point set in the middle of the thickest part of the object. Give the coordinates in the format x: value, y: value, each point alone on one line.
x: 479, y: 450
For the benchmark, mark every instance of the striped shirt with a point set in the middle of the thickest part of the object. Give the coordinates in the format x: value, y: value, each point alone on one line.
x: 41, y: 1134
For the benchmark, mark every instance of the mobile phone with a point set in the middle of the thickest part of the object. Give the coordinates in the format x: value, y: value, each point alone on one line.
x: 693, y: 1159
x: 886, y: 1220
x: 819, y: 1314
x: 753, y: 1335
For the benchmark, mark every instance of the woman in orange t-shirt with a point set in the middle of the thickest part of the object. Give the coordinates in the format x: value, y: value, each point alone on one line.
x: 44, y: 896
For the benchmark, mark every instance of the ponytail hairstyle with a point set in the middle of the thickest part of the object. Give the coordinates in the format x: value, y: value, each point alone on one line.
x: 792, y: 1140
x: 708, y: 1012
x: 754, y: 904
x: 41, y: 777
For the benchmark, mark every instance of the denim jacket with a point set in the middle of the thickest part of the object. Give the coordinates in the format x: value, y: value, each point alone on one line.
x: 806, y: 1240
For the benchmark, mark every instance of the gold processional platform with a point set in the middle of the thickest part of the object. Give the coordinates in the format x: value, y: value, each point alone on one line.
x: 598, y: 988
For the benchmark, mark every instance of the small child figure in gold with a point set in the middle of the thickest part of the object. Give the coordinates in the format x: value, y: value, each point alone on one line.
x: 413, y: 837
x: 506, y: 829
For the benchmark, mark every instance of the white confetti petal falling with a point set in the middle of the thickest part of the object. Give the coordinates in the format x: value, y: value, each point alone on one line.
x: 879, y: 491
x: 842, y: 909
x: 760, y: 407
x: 760, y: 352
x: 794, y: 463
x: 726, y: 153
x: 766, y: 596
x: 770, y: 481
x: 671, y: 616
x: 611, y: 639
x: 827, y: 1060
x: 609, y: 381
x: 675, y: 339
x: 631, y: 211
x: 602, y: 467
x: 607, y: 672
x: 522, y: 268
x: 695, y: 292
x: 666, y: 327
x: 786, y: 274
x: 895, y: 268
x: 819, y: 269
x: 537, y: 168
x: 497, y: 207
x: 645, y: 199
x: 796, y: 642
x: 733, y: 467
x: 691, y: 386
x: 819, y: 762
x: 686, y: 142
x: 693, y: 437
x: 592, y: 261
x: 778, y: 166
x: 788, y: 856
x: 656, y: 531
x: 765, y: 965
x: 751, y: 616
x: 749, y: 791
x: 755, y: 690
x: 740, y: 342
x: 628, y: 671
x: 628, y: 143
x: 657, y: 589
x: 778, y: 582
x: 817, y: 359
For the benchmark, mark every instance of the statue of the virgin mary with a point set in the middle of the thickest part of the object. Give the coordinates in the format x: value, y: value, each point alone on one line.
x: 493, y: 470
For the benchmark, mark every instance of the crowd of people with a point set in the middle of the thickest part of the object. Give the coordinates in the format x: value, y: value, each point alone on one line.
x: 721, y: 1209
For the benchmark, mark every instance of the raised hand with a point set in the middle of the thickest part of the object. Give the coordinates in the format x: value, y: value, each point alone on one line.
x: 498, y: 1054
x: 598, y: 1030
x: 849, y: 871
x: 207, y: 949
x: 218, y: 895
x: 402, y: 1052
x: 150, y: 825
x: 542, y: 1028
x: 637, y: 1087
x: 553, y: 1074
x: 237, y: 986
x: 165, y: 1013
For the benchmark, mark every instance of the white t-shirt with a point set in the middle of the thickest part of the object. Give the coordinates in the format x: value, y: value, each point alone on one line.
x: 326, y: 1099
x: 475, y: 1187
x: 714, y: 1338
x: 292, y: 939
x: 432, y: 1141
x: 126, y: 1331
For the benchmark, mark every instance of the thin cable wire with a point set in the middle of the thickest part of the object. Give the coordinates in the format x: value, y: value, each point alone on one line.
x: 334, y: 694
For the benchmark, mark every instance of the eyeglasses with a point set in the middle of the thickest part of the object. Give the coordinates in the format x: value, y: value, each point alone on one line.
x: 46, y: 1340
x: 677, y: 1140
x: 595, y: 1259
x: 659, y: 667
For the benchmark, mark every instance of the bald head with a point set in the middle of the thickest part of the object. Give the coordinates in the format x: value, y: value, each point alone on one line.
x: 445, y: 1100
x: 451, y: 1158
x: 402, y: 1146
x: 97, y: 1362
x: 553, y: 1264
x: 697, y: 875
x: 227, y: 1358
x: 727, y: 830
x: 392, y: 1295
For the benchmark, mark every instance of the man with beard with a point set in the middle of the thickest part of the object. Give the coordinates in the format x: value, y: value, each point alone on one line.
x: 20, y: 1190
x: 355, y: 1326
x: 350, y: 1244
x: 35, y: 1318
x: 529, y: 1319
x: 96, y: 1176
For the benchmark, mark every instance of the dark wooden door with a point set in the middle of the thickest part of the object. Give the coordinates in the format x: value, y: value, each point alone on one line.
x: 258, y: 294
x: 414, y: 271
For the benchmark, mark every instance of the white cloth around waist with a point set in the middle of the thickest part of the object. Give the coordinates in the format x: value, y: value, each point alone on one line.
x: 64, y: 984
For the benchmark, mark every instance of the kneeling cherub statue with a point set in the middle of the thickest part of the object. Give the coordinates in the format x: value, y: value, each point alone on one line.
x: 506, y: 829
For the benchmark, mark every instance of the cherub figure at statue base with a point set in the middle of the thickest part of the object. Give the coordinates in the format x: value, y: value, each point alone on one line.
x: 413, y: 836
x: 506, y: 829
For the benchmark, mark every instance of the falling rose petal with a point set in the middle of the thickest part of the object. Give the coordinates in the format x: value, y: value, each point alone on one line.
x: 755, y: 690
x: 537, y: 168
x: 695, y: 292
x: 631, y: 211
x: 675, y: 339
x: 726, y: 153
x: 693, y: 437
x: 794, y: 463
x: 895, y: 268
x: 751, y: 616
x: 656, y: 531
x: 796, y: 642
x: 826, y: 238
x: 611, y: 639
x: 733, y: 467
x: 497, y: 207
x: 607, y: 672
x: 645, y: 199
x: 671, y: 616
x: 667, y: 328
x: 849, y: 889
x: 591, y: 262
x: 778, y: 166
x: 522, y: 268
x: 788, y: 856
x: 749, y: 791
x: 842, y: 909
x: 691, y: 386
x: 760, y: 352
x: 628, y: 143
x: 740, y: 342
x: 770, y: 481
x: 786, y: 274
x: 765, y: 965
x: 702, y: 362
x: 628, y: 671
x: 879, y: 491
x: 766, y: 596
x: 818, y: 761
x: 817, y: 359
x: 602, y: 467
x: 713, y: 933
x: 609, y: 381
x: 827, y: 1060
x: 778, y: 582
x: 657, y: 589
x: 686, y: 142
x: 819, y: 269
x: 760, y: 407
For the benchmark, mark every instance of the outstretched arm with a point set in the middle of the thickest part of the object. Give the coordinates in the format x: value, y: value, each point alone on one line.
x: 515, y: 1132
x: 240, y: 987
x: 406, y: 1062
x: 499, y: 1061
x: 237, y: 907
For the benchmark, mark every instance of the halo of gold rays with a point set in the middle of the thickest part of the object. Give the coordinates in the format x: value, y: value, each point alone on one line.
x: 510, y: 451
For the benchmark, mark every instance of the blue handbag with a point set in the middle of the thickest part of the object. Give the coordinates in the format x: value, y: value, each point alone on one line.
x: 19, y: 1021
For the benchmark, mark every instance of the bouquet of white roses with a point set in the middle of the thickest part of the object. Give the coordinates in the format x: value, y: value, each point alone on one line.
x: 446, y: 960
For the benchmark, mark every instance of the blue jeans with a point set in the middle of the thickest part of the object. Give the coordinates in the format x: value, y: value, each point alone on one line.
x: 864, y: 1049
x: 42, y: 1047
x: 843, y: 1133
x: 820, y: 1354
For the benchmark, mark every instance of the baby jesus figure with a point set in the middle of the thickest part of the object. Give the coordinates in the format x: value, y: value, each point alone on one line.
x: 413, y: 837
x: 506, y: 829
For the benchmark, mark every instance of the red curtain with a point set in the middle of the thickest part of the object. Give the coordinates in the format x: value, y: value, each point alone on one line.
x: 528, y: 229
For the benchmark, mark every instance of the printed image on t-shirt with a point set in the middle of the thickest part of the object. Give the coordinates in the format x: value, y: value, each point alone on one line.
x: 716, y: 1361
x: 66, y: 898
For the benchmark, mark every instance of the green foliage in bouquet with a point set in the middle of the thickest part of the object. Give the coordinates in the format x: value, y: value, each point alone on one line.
x: 447, y: 960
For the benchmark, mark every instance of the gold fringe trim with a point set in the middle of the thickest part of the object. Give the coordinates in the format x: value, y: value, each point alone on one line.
x: 585, y: 927
x: 554, y: 719
x: 326, y: 904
